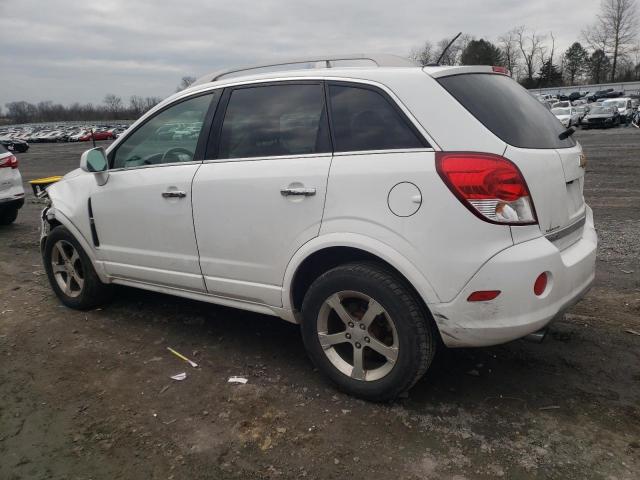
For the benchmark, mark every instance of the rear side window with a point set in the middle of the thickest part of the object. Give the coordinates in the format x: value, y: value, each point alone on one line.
x: 507, y: 109
x: 363, y: 119
x: 275, y: 120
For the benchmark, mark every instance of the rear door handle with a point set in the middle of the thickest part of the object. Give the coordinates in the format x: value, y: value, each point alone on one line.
x: 302, y: 191
x: 174, y: 194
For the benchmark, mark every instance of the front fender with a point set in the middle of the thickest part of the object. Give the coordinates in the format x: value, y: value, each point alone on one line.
x: 51, y: 214
x: 361, y: 242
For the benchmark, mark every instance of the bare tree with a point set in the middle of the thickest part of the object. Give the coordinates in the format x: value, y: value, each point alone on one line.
x: 509, y: 45
x: 532, y: 49
x: 185, y: 83
x: 423, y: 55
x: 614, y: 31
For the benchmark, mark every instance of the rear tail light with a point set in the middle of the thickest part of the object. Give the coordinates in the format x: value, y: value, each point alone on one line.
x: 9, y: 162
x: 490, y: 186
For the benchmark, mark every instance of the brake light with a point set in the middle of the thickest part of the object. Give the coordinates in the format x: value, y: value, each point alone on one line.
x: 9, y: 162
x: 502, y: 70
x: 490, y: 186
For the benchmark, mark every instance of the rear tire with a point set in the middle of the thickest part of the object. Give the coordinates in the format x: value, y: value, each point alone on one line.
x: 8, y: 216
x: 71, y: 273
x: 366, y: 330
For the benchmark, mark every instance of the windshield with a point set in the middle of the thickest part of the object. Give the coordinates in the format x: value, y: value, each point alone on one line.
x: 507, y: 110
x: 600, y: 110
x: 615, y: 103
x: 561, y: 111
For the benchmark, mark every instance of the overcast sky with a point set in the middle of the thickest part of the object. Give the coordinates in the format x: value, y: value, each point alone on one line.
x: 66, y: 51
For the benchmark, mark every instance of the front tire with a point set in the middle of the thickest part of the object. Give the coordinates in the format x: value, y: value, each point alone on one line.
x: 71, y: 273
x: 365, y: 329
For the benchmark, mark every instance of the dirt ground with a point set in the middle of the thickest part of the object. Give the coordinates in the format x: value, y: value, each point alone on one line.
x: 88, y: 395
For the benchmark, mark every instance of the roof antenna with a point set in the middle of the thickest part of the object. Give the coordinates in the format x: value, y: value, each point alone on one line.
x: 445, y: 51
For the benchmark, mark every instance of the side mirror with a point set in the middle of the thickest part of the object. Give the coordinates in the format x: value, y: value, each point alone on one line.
x: 95, y: 161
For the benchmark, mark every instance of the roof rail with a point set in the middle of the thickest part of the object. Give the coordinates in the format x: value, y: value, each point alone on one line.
x: 381, y: 60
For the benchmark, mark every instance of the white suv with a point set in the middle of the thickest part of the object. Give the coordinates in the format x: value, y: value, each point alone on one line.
x: 387, y: 208
x: 11, y: 190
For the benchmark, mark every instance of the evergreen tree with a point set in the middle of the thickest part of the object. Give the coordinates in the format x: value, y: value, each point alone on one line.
x: 481, y: 52
x: 576, y: 62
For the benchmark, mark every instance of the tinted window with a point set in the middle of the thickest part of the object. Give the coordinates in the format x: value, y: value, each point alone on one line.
x: 507, y: 109
x: 275, y: 120
x: 362, y: 119
x: 168, y: 137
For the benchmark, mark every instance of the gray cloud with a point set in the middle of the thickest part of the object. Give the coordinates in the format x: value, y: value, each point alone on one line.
x: 70, y: 51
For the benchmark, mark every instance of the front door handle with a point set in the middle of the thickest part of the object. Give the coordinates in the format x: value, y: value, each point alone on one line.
x: 302, y: 191
x: 174, y: 194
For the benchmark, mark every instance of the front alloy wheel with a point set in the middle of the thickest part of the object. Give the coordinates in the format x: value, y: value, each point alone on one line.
x: 67, y: 268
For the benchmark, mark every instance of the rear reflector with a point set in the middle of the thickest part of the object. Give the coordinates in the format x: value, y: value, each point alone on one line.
x: 9, y: 162
x: 540, y: 285
x: 490, y: 186
x: 483, y: 295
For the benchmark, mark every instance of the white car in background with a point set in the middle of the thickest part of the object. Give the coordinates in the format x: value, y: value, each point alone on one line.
x: 561, y: 104
x: 568, y: 116
x: 624, y: 106
x: 388, y: 209
x: 11, y: 190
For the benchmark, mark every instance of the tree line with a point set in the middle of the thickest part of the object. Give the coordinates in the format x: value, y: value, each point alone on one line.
x: 609, y: 51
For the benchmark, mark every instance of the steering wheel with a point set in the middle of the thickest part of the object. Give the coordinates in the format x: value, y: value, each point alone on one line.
x: 173, y: 151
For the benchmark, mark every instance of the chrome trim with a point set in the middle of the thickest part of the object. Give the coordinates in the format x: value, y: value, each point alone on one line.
x: 569, y: 229
x: 172, y: 164
x: 275, y: 157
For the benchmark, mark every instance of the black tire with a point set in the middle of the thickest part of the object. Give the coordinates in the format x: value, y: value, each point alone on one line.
x: 8, y: 216
x: 416, y: 333
x: 93, y: 292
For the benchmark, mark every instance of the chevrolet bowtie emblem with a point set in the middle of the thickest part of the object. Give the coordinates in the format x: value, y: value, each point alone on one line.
x: 582, y: 161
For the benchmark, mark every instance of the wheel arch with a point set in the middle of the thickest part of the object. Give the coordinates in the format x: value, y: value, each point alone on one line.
x: 56, y: 218
x: 329, y: 251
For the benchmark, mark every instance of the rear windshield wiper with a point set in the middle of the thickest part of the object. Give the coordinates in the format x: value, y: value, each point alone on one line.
x: 567, y: 133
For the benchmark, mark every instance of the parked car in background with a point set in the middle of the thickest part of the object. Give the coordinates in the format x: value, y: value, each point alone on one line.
x: 11, y: 191
x: 624, y: 107
x: 14, y: 144
x: 601, y: 116
x: 568, y: 116
x: 582, y: 111
x: 334, y: 198
x: 561, y: 104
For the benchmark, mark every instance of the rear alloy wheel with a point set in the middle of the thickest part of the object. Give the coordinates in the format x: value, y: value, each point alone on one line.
x: 71, y: 273
x: 365, y: 329
x: 357, y: 335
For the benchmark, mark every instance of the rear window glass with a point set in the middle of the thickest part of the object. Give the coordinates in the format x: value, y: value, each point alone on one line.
x: 362, y: 119
x: 507, y: 109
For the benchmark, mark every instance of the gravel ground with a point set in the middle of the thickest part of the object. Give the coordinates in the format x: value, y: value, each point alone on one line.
x: 88, y: 394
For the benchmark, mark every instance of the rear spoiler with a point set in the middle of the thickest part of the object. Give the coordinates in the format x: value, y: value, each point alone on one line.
x: 443, y: 71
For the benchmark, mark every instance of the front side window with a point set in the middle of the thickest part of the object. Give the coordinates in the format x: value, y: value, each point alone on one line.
x: 168, y: 137
x: 363, y: 119
x: 275, y: 120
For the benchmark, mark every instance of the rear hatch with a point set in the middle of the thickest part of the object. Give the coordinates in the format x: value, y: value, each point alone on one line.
x: 552, y: 166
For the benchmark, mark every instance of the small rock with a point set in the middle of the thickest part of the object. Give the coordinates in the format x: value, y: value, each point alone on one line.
x: 473, y: 373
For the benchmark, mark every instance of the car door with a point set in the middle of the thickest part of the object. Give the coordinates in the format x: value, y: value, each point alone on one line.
x: 143, y: 215
x: 259, y: 194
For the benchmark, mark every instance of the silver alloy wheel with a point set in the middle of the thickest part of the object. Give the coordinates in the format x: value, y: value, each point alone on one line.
x: 67, y: 268
x: 357, y: 335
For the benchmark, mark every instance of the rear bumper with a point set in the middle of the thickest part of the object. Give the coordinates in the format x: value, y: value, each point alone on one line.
x: 11, y: 203
x: 517, y: 311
